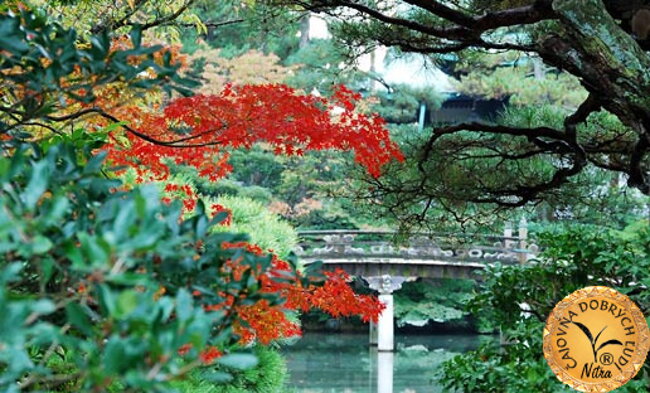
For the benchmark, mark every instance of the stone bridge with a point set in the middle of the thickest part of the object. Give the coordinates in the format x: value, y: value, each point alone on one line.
x: 386, y: 261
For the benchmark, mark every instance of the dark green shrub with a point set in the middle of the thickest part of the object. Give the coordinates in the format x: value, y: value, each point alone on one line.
x: 95, y: 284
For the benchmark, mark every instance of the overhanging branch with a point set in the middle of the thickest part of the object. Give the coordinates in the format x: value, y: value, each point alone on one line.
x: 533, y: 134
x: 536, y: 12
x: 177, y: 143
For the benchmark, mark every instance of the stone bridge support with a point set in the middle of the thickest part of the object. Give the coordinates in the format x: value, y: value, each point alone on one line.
x: 383, y: 333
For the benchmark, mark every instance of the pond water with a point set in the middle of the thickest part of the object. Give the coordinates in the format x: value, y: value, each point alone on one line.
x: 344, y: 363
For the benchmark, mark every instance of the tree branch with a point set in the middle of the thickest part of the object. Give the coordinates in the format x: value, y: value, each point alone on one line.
x: 530, y: 133
x: 536, y: 12
x: 455, y: 33
x: 214, y: 24
x: 161, y: 21
x: 173, y: 143
x: 638, y: 176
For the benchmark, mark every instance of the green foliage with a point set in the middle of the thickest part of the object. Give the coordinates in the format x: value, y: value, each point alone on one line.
x: 304, y: 190
x: 596, y: 196
x: 265, y: 229
x: 323, y: 64
x: 253, y: 25
x: 81, y: 272
x: 501, y: 77
x: 257, y: 167
x: 222, y: 187
x: 441, y: 301
x: 267, y: 376
x: 573, y: 258
x: 331, y: 217
x: 519, y: 368
x: 215, y: 189
x: 538, y: 116
x: 467, y: 166
x: 256, y: 193
x: 121, y: 17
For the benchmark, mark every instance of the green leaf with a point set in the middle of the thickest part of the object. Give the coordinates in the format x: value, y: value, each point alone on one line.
x: 124, y: 220
x: 37, y: 183
x: 95, y: 249
x: 114, y: 355
x: 56, y: 211
x: 107, y: 300
x: 95, y: 163
x: 127, y: 301
x: 184, y: 307
x: 10, y: 272
x: 41, y: 245
x: 47, y: 268
x: 136, y: 36
x: 78, y: 318
x: 9, y: 39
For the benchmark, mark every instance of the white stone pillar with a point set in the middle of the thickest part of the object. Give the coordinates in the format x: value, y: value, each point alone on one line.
x: 386, y: 285
x: 507, y: 230
x: 385, y: 329
x: 507, y: 234
x: 523, y: 244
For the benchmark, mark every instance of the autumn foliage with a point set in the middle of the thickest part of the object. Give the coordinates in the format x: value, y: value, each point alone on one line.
x: 196, y: 130
x: 265, y: 322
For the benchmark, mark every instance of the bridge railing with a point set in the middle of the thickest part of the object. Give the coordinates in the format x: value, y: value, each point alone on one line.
x: 360, y: 245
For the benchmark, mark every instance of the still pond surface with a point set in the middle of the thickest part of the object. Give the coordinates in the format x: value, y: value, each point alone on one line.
x: 343, y: 363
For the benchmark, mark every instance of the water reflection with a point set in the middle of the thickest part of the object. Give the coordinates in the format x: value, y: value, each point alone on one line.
x: 343, y: 363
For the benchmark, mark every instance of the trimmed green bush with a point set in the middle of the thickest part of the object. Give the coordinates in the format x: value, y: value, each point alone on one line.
x: 265, y: 229
x: 267, y: 377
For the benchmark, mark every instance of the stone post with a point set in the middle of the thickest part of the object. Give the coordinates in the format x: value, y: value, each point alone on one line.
x: 386, y: 285
x: 507, y: 229
x: 508, y: 243
x: 385, y: 327
x: 523, y: 244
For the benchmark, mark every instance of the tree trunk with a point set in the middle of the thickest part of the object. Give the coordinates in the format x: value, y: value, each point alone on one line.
x: 609, y: 61
x: 611, y: 65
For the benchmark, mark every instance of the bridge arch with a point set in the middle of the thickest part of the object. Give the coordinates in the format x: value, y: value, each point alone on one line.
x: 386, y: 265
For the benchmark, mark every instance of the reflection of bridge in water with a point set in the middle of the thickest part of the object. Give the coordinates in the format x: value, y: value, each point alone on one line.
x: 386, y: 265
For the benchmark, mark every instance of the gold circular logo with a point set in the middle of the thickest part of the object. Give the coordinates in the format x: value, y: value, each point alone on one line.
x: 596, y: 340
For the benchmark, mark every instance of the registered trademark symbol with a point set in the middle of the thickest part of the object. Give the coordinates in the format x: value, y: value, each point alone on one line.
x: 606, y: 359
